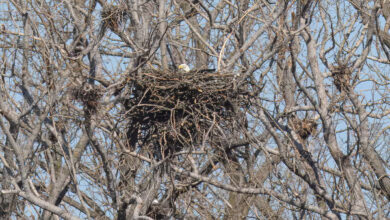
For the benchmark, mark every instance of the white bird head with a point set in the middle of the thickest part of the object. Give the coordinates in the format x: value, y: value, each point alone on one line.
x: 184, y: 67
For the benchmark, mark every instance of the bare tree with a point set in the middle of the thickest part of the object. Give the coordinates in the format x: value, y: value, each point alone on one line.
x: 283, y: 115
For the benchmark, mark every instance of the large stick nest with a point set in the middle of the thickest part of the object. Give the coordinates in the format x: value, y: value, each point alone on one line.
x: 169, y: 111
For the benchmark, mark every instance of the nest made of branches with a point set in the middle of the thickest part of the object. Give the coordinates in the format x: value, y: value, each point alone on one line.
x: 88, y: 95
x: 341, y: 74
x: 304, y: 127
x: 168, y: 111
x: 114, y: 16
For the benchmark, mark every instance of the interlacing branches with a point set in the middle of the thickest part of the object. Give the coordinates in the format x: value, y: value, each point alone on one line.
x: 281, y: 111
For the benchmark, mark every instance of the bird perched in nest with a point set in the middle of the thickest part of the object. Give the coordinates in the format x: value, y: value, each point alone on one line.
x: 185, y: 68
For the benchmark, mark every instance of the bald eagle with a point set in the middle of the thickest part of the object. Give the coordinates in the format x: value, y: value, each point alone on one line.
x: 185, y: 68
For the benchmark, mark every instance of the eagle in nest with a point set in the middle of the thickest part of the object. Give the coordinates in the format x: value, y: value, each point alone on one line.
x: 184, y: 68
